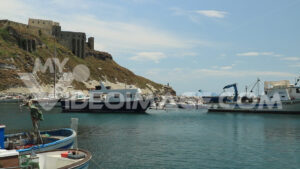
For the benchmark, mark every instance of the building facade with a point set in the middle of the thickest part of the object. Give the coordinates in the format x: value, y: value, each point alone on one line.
x: 46, y: 25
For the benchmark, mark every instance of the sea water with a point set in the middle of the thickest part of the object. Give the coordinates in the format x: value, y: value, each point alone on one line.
x: 175, y: 138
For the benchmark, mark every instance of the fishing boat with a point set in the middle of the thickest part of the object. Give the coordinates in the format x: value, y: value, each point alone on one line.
x: 106, y: 100
x: 58, y: 159
x: 51, y: 140
x: 279, y: 97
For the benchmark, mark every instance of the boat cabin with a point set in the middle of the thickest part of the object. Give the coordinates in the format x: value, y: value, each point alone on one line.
x: 105, y: 93
x: 285, y: 90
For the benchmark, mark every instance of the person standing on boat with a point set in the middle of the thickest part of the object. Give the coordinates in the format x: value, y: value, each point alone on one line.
x: 36, y: 116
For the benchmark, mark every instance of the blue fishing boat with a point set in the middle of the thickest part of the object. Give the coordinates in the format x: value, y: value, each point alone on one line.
x: 24, y: 143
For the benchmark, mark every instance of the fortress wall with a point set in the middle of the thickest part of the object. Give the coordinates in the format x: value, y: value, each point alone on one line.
x: 46, y: 25
x: 91, y: 43
x: 74, y: 41
x: 24, y: 42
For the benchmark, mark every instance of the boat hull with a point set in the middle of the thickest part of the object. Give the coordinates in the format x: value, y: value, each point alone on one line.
x: 287, y: 107
x: 59, y: 140
x: 102, y: 107
x: 11, y: 100
x: 81, y: 164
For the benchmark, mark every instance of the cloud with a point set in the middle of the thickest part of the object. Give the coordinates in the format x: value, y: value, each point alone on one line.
x: 15, y: 10
x: 259, y: 54
x: 291, y: 58
x: 228, y: 67
x: 125, y: 36
x: 295, y: 65
x: 195, y: 15
x: 181, y: 75
x: 222, y: 67
x: 212, y: 13
x: 114, y: 36
x: 146, y: 56
x: 211, y: 72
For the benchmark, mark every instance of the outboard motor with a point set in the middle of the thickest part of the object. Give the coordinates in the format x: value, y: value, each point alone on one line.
x: 2, y: 127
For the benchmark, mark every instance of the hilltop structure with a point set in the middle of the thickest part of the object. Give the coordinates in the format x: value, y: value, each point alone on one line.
x: 75, y: 41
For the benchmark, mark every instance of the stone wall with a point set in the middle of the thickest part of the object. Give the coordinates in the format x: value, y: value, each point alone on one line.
x: 26, y: 43
x: 91, y: 43
x: 74, y: 41
x: 46, y: 25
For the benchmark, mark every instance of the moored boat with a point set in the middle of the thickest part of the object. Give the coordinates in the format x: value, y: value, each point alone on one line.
x: 52, y: 140
x: 279, y: 97
x: 106, y: 100
x: 58, y: 159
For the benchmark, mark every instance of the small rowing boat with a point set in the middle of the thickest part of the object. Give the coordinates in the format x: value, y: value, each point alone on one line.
x: 51, y: 140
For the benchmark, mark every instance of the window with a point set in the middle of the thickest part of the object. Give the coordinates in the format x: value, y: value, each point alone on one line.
x: 97, y: 96
x: 32, y: 21
x: 297, y: 90
x: 117, y: 95
x: 129, y: 95
x: 283, y: 96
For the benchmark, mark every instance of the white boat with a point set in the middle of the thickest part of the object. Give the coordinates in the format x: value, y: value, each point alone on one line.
x: 64, y: 159
x: 106, y: 100
x: 47, y: 101
x: 279, y: 97
x: 191, y: 105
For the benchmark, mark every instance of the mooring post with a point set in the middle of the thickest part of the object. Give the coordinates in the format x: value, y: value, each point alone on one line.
x: 74, y: 126
x: 2, y: 136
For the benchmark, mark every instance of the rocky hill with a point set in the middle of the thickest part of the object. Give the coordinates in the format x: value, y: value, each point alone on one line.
x: 14, y: 59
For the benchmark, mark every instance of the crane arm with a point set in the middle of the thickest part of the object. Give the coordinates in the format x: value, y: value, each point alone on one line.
x: 235, y: 90
x: 258, y: 80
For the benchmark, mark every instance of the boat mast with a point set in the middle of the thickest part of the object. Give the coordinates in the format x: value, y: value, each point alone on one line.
x: 54, y: 67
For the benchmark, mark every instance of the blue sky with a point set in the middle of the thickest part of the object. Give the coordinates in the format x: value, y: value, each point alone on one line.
x: 191, y: 44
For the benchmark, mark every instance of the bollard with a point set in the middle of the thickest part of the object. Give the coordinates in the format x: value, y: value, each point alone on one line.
x: 74, y: 126
x: 2, y: 127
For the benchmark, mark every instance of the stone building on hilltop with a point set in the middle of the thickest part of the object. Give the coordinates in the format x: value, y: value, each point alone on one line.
x: 75, y: 41
x: 46, y: 25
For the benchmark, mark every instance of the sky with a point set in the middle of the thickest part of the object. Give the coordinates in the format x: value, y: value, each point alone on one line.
x: 190, y: 44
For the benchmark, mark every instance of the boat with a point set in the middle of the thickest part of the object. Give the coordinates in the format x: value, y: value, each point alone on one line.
x: 191, y: 105
x: 11, y: 99
x: 52, y: 139
x: 57, y: 159
x: 106, y: 100
x: 46, y: 102
x: 169, y: 103
x: 279, y: 97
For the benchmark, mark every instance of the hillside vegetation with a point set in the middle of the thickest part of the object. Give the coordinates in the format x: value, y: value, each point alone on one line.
x: 102, y: 67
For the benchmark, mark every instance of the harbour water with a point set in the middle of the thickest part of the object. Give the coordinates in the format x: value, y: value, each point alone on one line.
x: 176, y: 138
